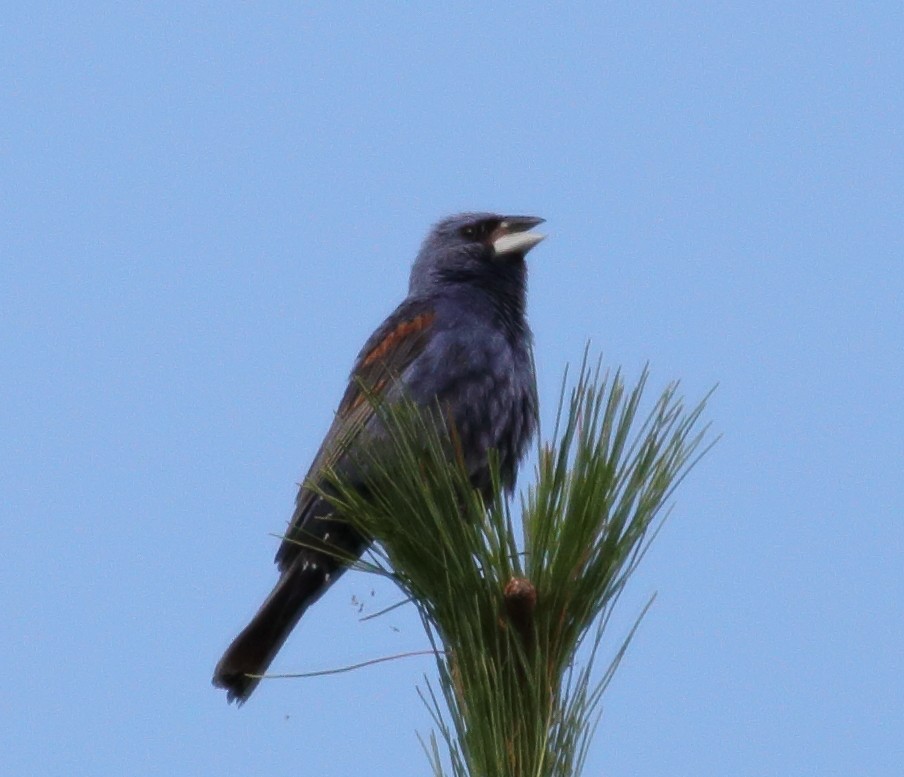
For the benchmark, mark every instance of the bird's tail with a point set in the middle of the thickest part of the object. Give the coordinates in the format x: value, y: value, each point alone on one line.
x: 251, y: 652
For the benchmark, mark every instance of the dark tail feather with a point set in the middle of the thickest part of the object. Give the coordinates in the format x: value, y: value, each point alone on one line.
x: 252, y: 651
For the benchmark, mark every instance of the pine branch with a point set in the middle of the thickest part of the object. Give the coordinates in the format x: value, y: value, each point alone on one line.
x: 506, y: 618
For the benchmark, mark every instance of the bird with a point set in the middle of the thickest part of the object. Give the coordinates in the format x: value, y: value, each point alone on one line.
x: 460, y: 338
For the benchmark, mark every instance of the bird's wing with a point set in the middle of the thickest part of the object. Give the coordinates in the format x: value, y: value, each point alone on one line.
x: 386, y: 355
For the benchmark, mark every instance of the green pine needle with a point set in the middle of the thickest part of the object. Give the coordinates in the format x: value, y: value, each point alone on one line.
x: 506, y: 607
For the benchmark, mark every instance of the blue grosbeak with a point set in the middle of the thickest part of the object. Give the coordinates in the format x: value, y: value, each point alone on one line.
x: 460, y: 338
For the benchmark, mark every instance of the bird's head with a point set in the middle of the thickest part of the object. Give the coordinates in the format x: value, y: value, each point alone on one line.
x: 473, y: 246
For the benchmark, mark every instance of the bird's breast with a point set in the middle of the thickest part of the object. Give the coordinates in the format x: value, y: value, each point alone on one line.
x: 487, y: 388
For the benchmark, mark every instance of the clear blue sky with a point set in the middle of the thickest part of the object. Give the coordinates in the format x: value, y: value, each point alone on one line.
x: 207, y: 209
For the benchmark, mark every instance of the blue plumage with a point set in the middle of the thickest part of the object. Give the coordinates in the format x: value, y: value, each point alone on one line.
x: 460, y: 338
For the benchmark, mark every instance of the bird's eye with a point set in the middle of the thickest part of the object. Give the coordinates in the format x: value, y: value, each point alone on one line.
x: 469, y: 232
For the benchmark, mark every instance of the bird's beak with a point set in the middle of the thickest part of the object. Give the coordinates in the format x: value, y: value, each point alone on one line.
x: 512, y: 236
